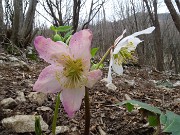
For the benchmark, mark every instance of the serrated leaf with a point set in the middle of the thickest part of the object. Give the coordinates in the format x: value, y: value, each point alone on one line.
x: 163, y: 118
x: 94, y: 51
x: 172, y: 123
x: 142, y: 105
x: 153, y: 120
x: 129, y: 107
x: 176, y: 133
x: 63, y: 28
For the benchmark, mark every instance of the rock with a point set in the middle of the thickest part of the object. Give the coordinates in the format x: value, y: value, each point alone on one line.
x: 177, y: 84
x: 20, y: 97
x: 8, y: 103
x: 3, y: 58
x: 13, y: 59
x: 61, y: 129
x: 37, y: 97
x: 24, y: 65
x: 21, y: 64
x: 104, y: 80
x: 111, y: 86
x: 44, y: 108
x: 164, y: 84
x: 177, y: 100
x: 1, y: 61
x: 130, y: 82
x: 23, y: 123
x: 7, y: 111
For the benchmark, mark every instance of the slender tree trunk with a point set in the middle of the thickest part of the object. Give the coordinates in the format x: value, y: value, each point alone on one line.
x: 1, y: 17
x: 28, y: 22
x: 158, y: 41
x: 76, y: 10
x: 173, y: 13
x: 16, y: 21
x: 157, y: 35
x: 178, y: 4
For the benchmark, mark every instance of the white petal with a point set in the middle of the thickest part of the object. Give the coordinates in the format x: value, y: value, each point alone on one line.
x: 121, y: 44
x: 109, y: 78
x: 135, y: 42
x: 146, y: 31
x: 119, y: 38
x: 117, y: 68
x: 126, y: 40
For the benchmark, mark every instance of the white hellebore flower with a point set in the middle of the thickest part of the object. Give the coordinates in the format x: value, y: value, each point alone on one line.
x: 122, y: 51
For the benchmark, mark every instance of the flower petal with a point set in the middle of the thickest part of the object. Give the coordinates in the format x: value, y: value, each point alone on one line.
x: 121, y: 44
x: 93, y: 77
x: 119, y: 38
x: 117, y: 68
x: 71, y: 100
x: 127, y: 39
x: 135, y: 41
x: 49, y: 50
x: 80, y: 46
x: 47, y: 81
x: 109, y: 78
x: 146, y: 31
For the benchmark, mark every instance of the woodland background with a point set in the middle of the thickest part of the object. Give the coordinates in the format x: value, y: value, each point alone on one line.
x: 21, y: 21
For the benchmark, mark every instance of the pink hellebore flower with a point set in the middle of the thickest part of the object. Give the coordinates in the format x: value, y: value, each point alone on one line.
x: 69, y: 69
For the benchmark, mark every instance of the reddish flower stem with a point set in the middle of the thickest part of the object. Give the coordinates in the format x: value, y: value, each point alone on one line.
x: 87, y: 112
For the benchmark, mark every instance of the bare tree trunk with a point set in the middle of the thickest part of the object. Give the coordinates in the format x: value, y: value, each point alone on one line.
x: 158, y: 40
x: 157, y: 36
x: 16, y: 21
x: 28, y: 22
x: 1, y: 17
x: 178, y: 4
x: 94, y: 8
x: 76, y: 10
x: 173, y: 13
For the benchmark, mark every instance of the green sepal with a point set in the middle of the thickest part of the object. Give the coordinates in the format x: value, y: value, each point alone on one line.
x: 57, y: 37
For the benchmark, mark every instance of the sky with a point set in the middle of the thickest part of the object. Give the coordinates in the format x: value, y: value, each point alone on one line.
x: 108, y: 6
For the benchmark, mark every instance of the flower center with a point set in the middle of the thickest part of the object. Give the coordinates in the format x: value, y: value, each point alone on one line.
x: 73, y: 71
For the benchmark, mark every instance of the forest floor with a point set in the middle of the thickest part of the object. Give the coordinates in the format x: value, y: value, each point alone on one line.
x: 138, y: 83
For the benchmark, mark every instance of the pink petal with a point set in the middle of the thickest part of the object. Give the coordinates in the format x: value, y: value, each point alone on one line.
x: 71, y: 100
x: 47, y: 81
x: 49, y: 50
x: 80, y: 44
x: 93, y: 77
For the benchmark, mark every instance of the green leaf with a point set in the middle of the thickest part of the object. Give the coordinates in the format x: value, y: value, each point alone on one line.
x: 94, y: 51
x: 55, y: 114
x: 153, y: 120
x: 66, y: 36
x: 57, y: 37
x: 63, y: 28
x: 53, y: 28
x: 172, y: 124
x: 38, y: 129
x: 94, y: 66
x: 67, y: 41
x: 142, y: 105
x: 163, y: 118
x: 129, y: 107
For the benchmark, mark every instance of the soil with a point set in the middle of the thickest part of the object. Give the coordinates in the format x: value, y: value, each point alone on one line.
x: 105, y: 117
